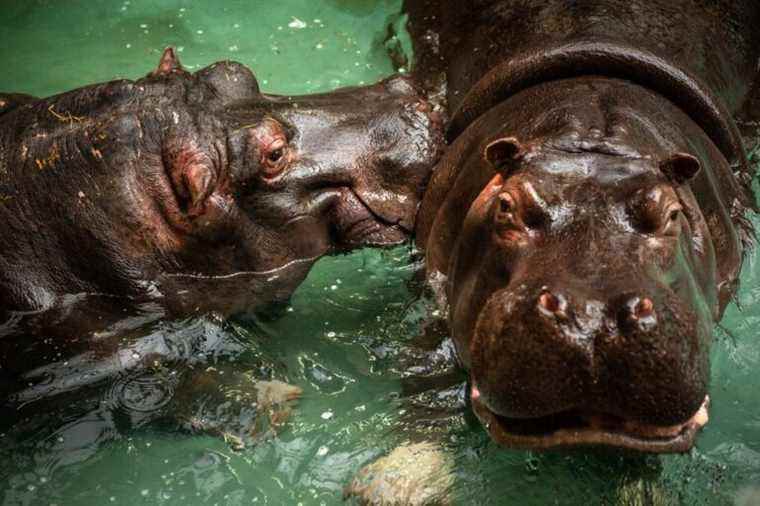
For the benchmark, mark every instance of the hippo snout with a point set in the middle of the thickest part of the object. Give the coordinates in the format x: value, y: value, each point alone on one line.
x: 541, y: 351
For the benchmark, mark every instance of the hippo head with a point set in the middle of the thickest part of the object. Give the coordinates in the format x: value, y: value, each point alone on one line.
x: 206, y: 193
x: 276, y: 182
x: 588, y: 283
x: 580, y: 272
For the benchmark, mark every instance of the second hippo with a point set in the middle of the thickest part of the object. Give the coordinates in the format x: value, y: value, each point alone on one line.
x: 199, y: 191
x: 585, y: 228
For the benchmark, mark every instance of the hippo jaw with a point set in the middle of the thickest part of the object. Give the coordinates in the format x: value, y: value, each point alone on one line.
x: 577, y: 428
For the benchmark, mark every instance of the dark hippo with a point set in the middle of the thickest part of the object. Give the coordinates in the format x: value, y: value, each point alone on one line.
x: 199, y: 191
x: 585, y: 228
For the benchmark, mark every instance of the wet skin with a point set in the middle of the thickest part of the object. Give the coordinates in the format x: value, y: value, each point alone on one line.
x: 197, y: 190
x: 585, y: 227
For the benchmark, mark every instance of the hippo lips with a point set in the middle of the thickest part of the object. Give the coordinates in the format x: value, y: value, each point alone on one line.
x: 356, y: 224
x: 574, y: 428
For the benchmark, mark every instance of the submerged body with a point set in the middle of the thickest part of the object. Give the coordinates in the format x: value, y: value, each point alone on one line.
x: 585, y: 228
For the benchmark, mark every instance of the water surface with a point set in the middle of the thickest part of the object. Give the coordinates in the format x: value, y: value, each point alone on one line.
x: 340, y: 337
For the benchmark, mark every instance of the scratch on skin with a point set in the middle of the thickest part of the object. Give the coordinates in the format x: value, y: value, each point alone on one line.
x: 53, y: 157
x: 65, y: 118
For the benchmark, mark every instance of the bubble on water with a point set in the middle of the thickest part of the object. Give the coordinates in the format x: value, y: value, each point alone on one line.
x: 322, y: 451
x: 319, y: 45
x: 290, y: 309
x: 327, y: 415
x: 144, y: 492
x: 128, y: 46
x: 331, y: 334
x: 199, y: 32
x: 31, y: 488
x: 297, y: 24
x: 361, y: 408
x: 112, y: 499
x: 182, y: 9
x: 236, y: 25
x: 143, y: 25
x: 333, y: 287
x: 233, y: 48
x: 180, y: 49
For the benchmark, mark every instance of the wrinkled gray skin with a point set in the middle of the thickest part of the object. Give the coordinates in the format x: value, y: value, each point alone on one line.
x: 199, y: 191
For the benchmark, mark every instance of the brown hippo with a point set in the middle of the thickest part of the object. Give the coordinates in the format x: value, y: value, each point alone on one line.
x: 585, y: 227
x: 126, y: 202
x: 199, y: 191
x: 584, y: 230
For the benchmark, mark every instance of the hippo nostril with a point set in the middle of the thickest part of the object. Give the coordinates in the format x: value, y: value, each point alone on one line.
x: 551, y: 304
x: 638, y: 313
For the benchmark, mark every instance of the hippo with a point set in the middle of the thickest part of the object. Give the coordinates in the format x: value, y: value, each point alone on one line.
x: 585, y: 229
x: 198, y: 191
x: 128, y: 205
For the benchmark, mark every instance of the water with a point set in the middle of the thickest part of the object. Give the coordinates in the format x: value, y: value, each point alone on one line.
x: 341, y: 337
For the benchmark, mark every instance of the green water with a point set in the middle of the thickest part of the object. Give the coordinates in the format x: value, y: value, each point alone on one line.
x: 341, y: 335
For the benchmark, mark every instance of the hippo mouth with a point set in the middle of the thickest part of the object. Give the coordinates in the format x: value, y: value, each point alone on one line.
x: 577, y: 428
x: 355, y: 224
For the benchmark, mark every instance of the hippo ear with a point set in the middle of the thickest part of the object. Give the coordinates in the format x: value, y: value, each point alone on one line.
x: 680, y: 168
x: 192, y: 175
x: 504, y: 154
x: 168, y: 64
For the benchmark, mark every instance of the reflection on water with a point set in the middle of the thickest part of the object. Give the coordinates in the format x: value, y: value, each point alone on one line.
x: 148, y: 411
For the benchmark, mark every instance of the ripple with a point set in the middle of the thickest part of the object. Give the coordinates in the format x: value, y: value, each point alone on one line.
x: 144, y: 393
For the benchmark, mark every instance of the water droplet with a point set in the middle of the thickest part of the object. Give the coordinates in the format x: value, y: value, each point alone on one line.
x: 297, y: 24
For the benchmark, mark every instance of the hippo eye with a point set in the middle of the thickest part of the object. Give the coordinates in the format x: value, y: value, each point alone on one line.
x: 275, y: 155
x: 274, y: 159
x: 673, y: 216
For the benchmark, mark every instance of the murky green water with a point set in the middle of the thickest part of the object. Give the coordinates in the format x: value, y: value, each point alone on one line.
x: 342, y: 334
